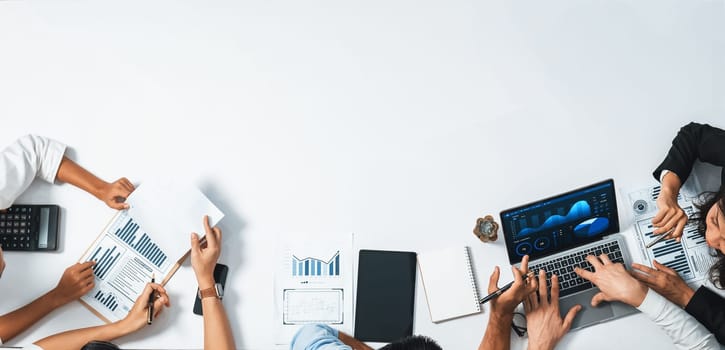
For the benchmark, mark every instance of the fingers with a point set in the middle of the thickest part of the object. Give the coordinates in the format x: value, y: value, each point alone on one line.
x: 659, y: 217
x: 543, y: 293
x: 598, y: 298
x: 525, y: 264
x: 195, y: 245
x: 587, y: 275
x: 493, y: 280
x: 605, y: 259
x: 127, y: 185
x: 554, y: 289
x: 594, y: 261
x: 664, y: 268
x: 211, y: 235
x: 518, y: 277
x: 569, y: 318
x: 85, y: 266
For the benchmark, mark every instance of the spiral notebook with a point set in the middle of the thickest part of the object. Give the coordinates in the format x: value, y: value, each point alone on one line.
x: 449, y: 284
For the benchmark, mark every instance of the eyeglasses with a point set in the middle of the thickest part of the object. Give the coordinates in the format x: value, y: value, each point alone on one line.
x: 519, y: 324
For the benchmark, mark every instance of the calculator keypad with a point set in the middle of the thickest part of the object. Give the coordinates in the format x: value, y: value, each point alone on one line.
x: 19, y: 228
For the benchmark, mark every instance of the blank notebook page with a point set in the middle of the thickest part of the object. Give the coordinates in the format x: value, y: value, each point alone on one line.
x: 449, y: 284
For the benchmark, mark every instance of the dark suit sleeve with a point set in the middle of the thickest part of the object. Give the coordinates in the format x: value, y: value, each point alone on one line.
x: 694, y: 142
x: 709, y: 308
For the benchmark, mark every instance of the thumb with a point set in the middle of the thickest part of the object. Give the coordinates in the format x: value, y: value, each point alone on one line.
x: 195, y: 246
x: 493, y: 281
x: 599, y: 298
x: 117, y: 205
x: 569, y: 318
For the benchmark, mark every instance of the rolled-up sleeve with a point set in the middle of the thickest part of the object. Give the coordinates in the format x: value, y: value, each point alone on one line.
x: 29, y: 157
x: 683, y: 329
x: 317, y: 337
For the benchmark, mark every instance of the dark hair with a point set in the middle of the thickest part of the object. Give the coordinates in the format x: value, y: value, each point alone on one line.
x: 99, y: 345
x: 415, y: 342
x: 707, y: 200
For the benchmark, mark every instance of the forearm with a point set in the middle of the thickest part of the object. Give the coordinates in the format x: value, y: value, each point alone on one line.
x: 352, y: 342
x: 74, y: 174
x: 498, y: 333
x: 76, y: 339
x: 17, y: 321
x: 671, y: 185
x: 217, y: 332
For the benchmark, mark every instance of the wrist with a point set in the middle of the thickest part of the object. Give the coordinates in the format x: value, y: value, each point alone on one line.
x: 54, y: 299
x: 638, y: 298
x: 98, y: 187
x: 205, y: 282
x: 686, y: 296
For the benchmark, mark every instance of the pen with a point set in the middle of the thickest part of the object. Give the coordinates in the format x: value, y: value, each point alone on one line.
x: 503, y: 289
x: 150, y: 309
x: 664, y: 235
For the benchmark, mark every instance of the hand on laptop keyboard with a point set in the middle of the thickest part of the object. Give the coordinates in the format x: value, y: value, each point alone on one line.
x: 544, y: 323
x: 615, y: 283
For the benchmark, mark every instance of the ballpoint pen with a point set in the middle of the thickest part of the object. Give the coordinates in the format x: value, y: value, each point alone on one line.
x: 503, y: 289
x: 150, y: 309
x: 664, y: 235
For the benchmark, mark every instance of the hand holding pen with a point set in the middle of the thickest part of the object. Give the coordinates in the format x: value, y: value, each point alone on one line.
x: 508, y: 297
x: 670, y: 233
x: 138, y: 317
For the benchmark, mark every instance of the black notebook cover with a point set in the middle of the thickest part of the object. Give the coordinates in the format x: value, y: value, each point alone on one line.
x: 385, y: 295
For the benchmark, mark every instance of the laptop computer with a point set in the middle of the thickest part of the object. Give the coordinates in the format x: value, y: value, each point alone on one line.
x: 558, y: 233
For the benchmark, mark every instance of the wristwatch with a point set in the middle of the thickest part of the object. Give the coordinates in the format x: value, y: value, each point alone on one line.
x: 216, y: 291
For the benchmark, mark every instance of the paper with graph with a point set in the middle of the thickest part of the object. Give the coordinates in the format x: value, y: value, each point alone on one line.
x: 691, y: 257
x: 313, y: 284
x: 127, y: 255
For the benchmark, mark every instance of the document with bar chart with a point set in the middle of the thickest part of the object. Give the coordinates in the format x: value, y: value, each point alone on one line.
x: 127, y: 255
x: 691, y: 257
x: 313, y: 283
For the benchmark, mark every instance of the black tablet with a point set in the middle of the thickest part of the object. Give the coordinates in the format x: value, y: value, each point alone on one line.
x: 385, y: 295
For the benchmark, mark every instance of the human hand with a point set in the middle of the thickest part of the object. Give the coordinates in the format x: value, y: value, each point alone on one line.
x: 543, y: 321
x: 77, y: 280
x: 137, y: 317
x: 2, y: 262
x: 505, y: 303
x: 664, y: 281
x: 670, y: 218
x: 614, y: 282
x: 205, y: 256
x: 114, y: 194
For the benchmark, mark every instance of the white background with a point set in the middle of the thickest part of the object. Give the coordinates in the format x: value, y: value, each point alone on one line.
x: 401, y: 121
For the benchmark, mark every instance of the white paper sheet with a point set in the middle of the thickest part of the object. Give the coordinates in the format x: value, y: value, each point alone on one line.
x: 313, y: 283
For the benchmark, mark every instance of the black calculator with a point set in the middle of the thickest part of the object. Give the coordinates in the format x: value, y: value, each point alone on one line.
x: 29, y: 227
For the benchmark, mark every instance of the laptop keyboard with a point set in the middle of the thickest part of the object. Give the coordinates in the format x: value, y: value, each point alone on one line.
x: 563, y: 267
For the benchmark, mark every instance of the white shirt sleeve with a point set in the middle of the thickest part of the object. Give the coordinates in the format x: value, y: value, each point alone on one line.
x: 29, y: 157
x: 683, y: 329
x: 663, y: 173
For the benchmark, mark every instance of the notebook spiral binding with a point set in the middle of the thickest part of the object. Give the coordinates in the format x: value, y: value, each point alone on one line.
x: 472, y: 277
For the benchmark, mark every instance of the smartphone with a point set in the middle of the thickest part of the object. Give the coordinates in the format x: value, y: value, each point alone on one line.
x: 220, y: 276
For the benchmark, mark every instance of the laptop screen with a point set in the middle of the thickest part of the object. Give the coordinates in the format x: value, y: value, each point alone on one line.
x: 561, y: 222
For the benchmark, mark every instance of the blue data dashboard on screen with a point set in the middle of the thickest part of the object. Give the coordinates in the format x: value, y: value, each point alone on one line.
x: 557, y: 223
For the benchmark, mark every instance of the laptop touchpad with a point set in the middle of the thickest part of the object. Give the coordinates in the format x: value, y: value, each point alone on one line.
x: 589, y: 314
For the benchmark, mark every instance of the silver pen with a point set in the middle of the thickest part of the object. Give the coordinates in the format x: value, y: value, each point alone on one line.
x: 664, y: 235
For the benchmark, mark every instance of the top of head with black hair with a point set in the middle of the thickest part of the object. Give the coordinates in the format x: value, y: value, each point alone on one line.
x: 100, y: 345
x: 415, y: 342
x: 707, y: 200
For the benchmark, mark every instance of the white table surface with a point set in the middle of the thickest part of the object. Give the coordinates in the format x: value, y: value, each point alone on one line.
x: 400, y: 121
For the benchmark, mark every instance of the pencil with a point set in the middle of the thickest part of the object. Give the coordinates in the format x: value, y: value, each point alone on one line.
x: 502, y: 289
